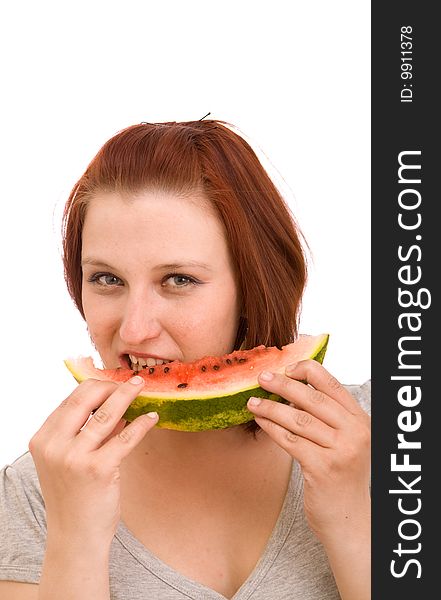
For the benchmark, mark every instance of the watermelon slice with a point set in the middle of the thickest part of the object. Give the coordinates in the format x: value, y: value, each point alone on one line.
x: 210, y: 393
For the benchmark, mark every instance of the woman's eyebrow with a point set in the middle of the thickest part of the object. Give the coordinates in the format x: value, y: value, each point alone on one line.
x: 96, y: 263
x: 183, y: 265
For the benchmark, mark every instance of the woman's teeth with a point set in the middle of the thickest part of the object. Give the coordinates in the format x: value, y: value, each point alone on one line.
x: 137, y: 363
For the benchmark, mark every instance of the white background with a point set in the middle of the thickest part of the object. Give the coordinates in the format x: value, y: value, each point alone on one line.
x: 293, y: 76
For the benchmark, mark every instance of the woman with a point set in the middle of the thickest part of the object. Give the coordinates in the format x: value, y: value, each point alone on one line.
x: 177, y: 245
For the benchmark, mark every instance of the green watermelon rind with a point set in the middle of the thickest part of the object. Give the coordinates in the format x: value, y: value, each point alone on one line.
x: 199, y: 414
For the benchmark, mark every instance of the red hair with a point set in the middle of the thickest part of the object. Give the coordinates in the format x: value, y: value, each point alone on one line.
x: 206, y: 156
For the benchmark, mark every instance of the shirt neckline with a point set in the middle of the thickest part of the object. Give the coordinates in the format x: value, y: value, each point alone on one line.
x: 198, y: 591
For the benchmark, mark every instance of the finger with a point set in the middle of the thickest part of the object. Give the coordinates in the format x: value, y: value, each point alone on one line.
x: 292, y: 419
x: 305, y: 397
x: 316, y: 375
x: 120, y: 445
x: 119, y: 427
x: 303, y: 450
x: 68, y: 418
x: 108, y: 415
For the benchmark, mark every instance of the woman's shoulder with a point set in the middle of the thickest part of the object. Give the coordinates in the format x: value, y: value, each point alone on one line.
x: 22, y: 521
x: 22, y: 469
x: 20, y: 488
x: 362, y: 393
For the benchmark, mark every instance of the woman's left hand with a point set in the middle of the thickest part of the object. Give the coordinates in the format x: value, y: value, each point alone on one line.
x: 328, y: 433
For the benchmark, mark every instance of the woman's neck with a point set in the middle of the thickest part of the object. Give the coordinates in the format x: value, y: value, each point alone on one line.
x: 201, y: 454
x: 189, y: 444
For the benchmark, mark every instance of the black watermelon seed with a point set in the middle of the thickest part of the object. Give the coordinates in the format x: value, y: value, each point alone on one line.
x: 151, y: 370
x: 182, y: 385
x: 216, y: 367
x: 242, y: 360
x: 166, y: 369
x: 228, y: 361
x: 203, y: 368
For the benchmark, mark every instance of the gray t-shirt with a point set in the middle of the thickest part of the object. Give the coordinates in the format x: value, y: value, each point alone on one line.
x: 293, y: 564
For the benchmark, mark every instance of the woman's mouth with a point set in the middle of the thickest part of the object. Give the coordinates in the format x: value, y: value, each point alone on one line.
x: 136, y: 363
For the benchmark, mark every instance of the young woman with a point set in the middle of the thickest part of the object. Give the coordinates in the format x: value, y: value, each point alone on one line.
x: 178, y: 245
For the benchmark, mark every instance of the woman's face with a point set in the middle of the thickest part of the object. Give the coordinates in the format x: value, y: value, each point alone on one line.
x: 158, y: 282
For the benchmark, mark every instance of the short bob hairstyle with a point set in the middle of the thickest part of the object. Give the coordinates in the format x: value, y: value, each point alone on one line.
x: 206, y: 156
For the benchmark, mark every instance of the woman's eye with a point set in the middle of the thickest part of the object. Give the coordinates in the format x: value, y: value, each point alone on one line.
x: 180, y: 281
x: 105, y: 279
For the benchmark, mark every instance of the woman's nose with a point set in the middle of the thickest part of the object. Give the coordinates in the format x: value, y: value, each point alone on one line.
x: 140, y: 322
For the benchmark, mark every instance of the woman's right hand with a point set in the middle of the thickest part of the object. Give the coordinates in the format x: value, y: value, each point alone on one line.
x: 78, y: 460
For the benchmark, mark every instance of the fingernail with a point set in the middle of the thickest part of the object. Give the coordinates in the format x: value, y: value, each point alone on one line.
x: 136, y: 380
x: 152, y: 415
x: 254, y: 401
x: 290, y: 369
x: 266, y: 376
